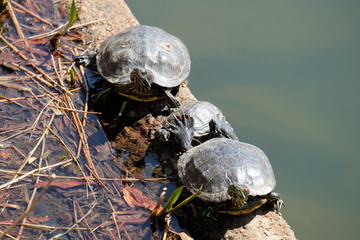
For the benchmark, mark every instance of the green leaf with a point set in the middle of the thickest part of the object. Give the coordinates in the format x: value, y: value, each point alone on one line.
x: 186, y: 201
x: 73, y: 16
x: 72, y: 77
x: 172, y: 200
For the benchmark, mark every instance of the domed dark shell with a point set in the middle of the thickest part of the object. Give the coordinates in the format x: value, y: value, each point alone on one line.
x: 219, y: 162
x: 144, y: 48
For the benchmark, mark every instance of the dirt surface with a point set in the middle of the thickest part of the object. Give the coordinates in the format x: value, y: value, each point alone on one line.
x: 116, y: 16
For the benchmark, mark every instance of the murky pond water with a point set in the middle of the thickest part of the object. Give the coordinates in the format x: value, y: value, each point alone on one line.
x: 286, y: 76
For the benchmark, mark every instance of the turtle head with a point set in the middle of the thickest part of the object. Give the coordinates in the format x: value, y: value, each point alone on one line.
x: 239, y: 195
x: 142, y: 78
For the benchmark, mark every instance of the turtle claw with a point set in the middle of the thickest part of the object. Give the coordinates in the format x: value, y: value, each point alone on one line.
x: 277, y: 200
x: 278, y: 205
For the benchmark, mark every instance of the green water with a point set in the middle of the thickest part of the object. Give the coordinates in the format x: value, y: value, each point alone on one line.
x: 286, y: 74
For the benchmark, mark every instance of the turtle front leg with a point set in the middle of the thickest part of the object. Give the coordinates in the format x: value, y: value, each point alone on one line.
x: 170, y: 100
x: 183, y: 130
x: 276, y: 199
x: 88, y: 61
x: 222, y: 127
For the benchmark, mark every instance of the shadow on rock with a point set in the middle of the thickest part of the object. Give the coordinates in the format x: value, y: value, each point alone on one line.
x: 192, y: 219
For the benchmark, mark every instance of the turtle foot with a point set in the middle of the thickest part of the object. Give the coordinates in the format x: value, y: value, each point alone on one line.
x: 277, y: 200
x: 183, y: 131
x: 86, y: 60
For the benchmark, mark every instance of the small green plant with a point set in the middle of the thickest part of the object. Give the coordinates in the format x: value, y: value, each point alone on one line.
x: 55, y: 40
x: 72, y: 78
x: 169, y: 206
x: 73, y: 16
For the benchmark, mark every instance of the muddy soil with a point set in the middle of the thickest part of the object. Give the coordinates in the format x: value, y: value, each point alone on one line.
x: 113, y: 17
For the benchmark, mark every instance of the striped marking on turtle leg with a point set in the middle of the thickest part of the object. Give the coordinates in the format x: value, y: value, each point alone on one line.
x: 139, y: 99
x: 246, y: 210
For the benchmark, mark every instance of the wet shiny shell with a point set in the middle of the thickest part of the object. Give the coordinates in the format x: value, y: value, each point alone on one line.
x: 219, y: 162
x: 202, y: 113
x: 145, y: 48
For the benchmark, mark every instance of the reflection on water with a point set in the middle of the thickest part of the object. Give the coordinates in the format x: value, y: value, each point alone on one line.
x: 285, y: 74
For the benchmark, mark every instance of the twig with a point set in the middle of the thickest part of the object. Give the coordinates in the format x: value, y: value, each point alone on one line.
x: 14, y: 135
x: 36, y: 146
x: 9, y: 99
x: 32, y: 172
x: 158, y: 205
x: 35, y: 96
x: 40, y: 226
x: 114, y: 219
x: 32, y: 14
x: 18, y: 78
x: 76, y: 217
x: 83, y: 141
x: 33, y: 74
x: 55, y: 69
x: 75, y: 110
x: 56, y: 30
x: 72, y: 156
x: 35, y: 189
x: 49, y: 78
x: 10, y: 206
x: 167, y: 226
x: 15, y: 21
x: 18, y: 151
x: 37, y: 119
x: 77, y: 222
x: 32, y: 206
x: 15, y: 86
x: 8, y: 235
x: 17, y: 26
x: 91, y: 178
x: 86, y: 222
x: 15, y: 49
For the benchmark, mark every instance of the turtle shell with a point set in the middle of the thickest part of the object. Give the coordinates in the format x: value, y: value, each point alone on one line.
x: 145, y: 48
x: 202, y: 113
x: 220, y: 162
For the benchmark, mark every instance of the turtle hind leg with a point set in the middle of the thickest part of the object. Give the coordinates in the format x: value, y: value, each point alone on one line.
x: 223, y: 128
x: 210, y: 216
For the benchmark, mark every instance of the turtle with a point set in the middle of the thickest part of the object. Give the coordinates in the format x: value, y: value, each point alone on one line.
x: 236, y: 176
x: 142, y: 63
x: 195, y: 122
